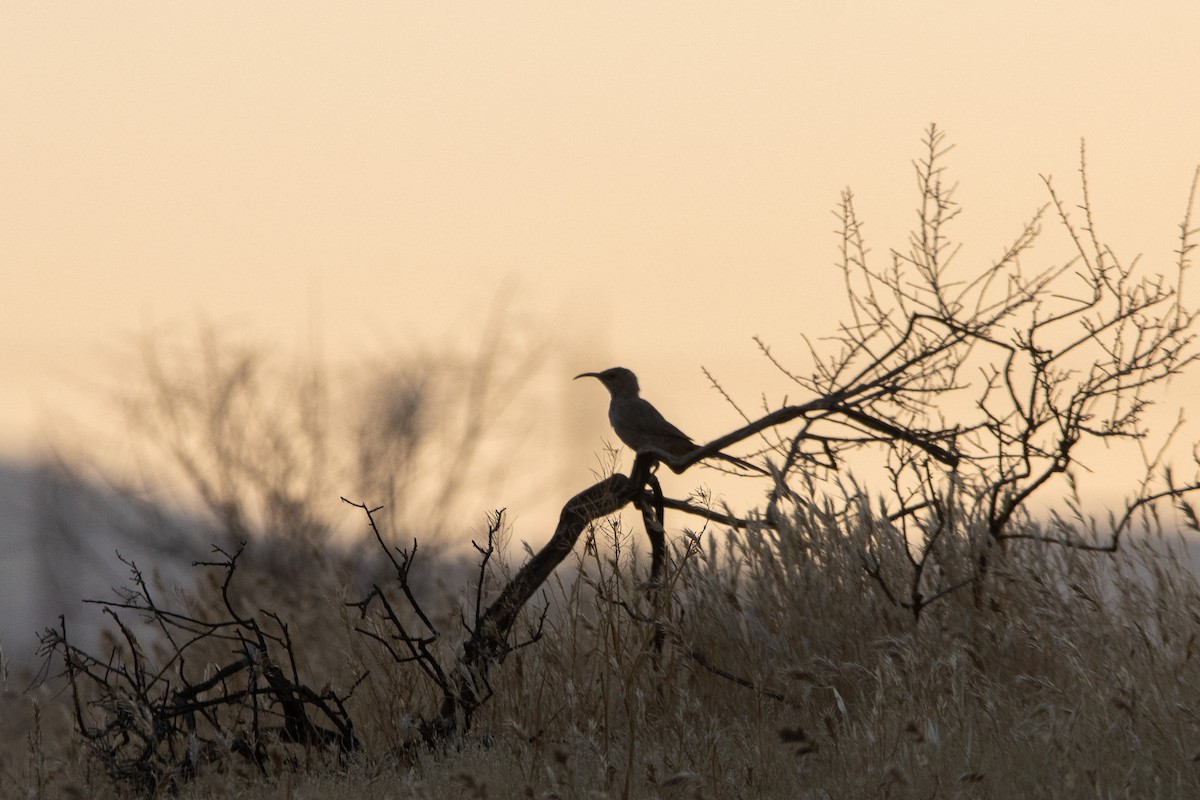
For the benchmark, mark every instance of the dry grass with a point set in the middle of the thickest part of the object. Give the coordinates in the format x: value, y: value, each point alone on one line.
x: 1075, y: 676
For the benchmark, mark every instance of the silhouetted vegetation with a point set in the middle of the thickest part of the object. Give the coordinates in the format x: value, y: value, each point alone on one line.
x: 925, y: 637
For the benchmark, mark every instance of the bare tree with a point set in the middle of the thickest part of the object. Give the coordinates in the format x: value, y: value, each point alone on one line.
x: 1038, y: 361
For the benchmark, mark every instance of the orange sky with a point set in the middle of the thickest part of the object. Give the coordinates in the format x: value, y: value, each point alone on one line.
x: 653, y: 181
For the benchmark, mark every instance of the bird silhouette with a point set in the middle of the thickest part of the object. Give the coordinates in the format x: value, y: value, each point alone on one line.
x: 640, y: 425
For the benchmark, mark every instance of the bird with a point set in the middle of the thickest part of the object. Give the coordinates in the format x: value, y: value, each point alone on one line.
x: 640, y: 425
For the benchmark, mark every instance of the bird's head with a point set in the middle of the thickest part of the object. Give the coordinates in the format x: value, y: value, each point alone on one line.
x: 618, y: 380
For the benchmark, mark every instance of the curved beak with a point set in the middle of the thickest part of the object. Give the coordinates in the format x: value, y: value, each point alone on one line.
x: 586, y: 375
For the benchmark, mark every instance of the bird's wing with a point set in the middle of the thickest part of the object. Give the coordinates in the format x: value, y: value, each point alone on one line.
x: 640, y: 425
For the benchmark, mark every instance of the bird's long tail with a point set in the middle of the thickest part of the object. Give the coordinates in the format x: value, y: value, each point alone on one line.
x: 739, y: 462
